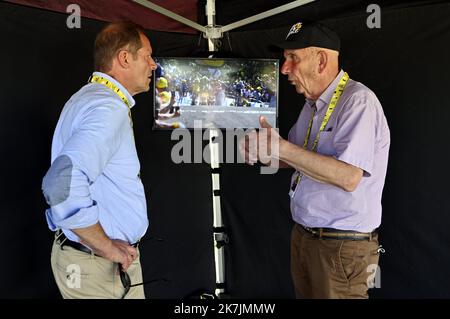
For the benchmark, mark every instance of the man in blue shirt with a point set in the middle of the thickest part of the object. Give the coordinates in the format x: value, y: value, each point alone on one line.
x: 96, y: 198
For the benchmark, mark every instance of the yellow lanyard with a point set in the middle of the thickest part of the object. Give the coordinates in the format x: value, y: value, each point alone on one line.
x: 334, y: 100
x: 115, y: 89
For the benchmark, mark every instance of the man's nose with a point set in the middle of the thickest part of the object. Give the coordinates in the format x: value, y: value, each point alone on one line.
x: 285, y: 68
x: 153, y: 64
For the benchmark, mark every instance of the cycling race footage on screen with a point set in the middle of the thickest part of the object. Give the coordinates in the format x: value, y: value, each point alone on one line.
x: 215, y: 93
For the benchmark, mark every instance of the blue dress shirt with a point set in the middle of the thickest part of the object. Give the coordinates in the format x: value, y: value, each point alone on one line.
x: 94, y: 176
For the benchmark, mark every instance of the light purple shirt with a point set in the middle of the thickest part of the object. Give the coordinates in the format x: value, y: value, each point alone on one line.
x: 358, y: 134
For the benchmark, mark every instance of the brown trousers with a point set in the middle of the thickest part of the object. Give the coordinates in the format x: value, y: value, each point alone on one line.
x: 331, y: 268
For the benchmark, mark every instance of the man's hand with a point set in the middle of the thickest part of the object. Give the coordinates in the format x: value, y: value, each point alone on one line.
x: 115, y: 250
x: 248, y: 147
x: 268, y: 143
x: 119, y: 251
x: 262, y: 145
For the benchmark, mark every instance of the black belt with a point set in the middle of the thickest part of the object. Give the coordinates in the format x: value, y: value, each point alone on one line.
x: 340, y: 234
x: 64, y: 241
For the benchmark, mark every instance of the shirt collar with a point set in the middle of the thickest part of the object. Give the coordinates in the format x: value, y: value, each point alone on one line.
x: 325, y: 98
x: 120, y: 86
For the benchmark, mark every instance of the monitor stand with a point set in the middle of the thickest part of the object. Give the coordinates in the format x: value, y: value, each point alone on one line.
x: 220, y: 235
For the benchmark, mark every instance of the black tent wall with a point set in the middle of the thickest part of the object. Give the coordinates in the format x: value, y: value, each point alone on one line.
x: 405, y: 63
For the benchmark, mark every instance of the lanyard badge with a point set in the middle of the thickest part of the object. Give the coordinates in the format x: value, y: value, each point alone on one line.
x: 297, y: 179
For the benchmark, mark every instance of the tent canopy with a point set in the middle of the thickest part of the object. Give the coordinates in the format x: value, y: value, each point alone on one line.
x: 226, y: 11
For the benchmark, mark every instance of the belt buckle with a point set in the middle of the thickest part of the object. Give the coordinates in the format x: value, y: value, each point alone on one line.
x: 137, y: 243
x: 60, y: 237
x: 315, y: 233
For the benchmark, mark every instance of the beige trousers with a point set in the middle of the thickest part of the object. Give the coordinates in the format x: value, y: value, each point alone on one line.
x: 80, y: 275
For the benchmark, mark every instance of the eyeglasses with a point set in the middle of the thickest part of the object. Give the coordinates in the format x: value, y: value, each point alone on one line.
x: 125, y: 278
x: 126, y: 282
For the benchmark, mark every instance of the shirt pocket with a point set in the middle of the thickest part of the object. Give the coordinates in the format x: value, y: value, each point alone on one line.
x: 325, y: 143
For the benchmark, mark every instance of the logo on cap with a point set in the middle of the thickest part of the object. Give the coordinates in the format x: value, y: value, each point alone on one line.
x: 294, y: 29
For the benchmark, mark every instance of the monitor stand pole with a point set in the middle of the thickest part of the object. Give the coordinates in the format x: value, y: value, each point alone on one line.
x: 220, y: 235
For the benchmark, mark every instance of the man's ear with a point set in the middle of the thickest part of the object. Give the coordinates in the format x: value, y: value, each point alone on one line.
x: 123, y: 57
x: 323, y: 60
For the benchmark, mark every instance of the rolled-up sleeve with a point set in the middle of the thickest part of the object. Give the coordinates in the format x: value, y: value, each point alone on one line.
x: 83, y: 158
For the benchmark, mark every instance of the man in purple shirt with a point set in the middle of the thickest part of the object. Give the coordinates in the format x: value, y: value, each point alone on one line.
x: 339, y: 148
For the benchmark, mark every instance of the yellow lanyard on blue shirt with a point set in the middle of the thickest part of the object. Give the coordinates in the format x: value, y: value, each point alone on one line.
x: 115, y: 89
x: 334, y: 100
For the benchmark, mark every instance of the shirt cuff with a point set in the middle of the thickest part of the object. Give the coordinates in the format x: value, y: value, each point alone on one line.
x: 365, y: 165
x: 84, y: 217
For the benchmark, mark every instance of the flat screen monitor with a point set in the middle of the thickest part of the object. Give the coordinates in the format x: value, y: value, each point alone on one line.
x: 215, y: 93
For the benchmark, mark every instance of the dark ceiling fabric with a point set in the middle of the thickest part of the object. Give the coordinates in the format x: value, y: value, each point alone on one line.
x: 404, y: 63
x: 117, y: 10
x: 229, y: 11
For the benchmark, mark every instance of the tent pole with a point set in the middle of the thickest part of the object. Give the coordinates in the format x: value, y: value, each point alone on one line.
x: 211, y: 31
x: 170, y: 14
x: 211, y: 16
x: 220, y: 235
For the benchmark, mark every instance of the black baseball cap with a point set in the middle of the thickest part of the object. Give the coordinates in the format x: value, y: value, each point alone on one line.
x: 310, y: 34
